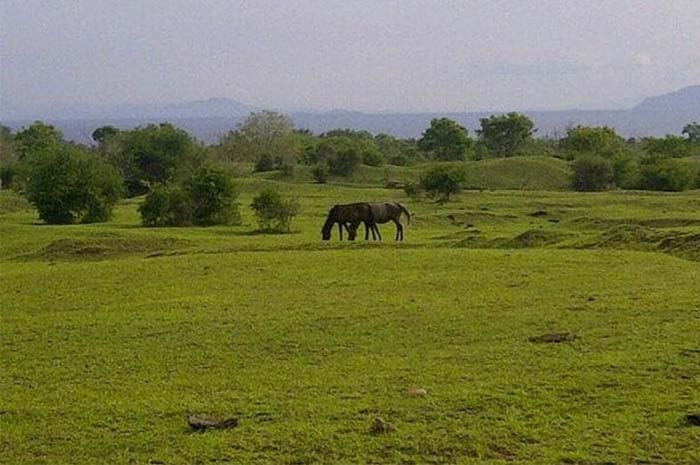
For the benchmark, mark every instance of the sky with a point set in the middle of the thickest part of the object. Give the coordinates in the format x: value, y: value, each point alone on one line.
x: 366, y: 55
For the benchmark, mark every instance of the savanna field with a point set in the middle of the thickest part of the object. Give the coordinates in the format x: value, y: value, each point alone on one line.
x: 112, y: 334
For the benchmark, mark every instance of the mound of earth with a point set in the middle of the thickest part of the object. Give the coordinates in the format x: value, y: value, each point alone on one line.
x: 103, y: 247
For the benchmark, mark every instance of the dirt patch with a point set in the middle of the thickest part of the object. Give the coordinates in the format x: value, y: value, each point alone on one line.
x: 608, y: 223
x: 630, y: 237
x: 102, y: 247
x: 534, y: 238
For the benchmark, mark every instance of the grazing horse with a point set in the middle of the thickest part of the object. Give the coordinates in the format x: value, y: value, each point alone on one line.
x: 349, y: 216
x: 388, y: 211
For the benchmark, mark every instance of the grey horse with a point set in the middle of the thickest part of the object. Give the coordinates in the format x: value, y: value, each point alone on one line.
x: 388, y: 211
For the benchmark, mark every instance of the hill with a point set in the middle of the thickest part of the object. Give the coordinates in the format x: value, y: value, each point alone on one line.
x: 209, y: 119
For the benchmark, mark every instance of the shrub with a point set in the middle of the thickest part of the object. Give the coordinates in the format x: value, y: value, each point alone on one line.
x: 166, y: 206
x: 70, y: 186
x: 414, y: 191
x: 342, y: 154
x: 207, y: 198
x: 443, y: 181
x: 371, y: 156
x: 592, y: 173
x: 345, y: 162
x: 663, y: 174
x: 320, y: 173
x: 264, y: 163
x: 8, y: 171
x: 213, y: 197
x: 274, y: 212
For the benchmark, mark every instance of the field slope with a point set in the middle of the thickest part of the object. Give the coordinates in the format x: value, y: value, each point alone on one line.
x: 111, y: 334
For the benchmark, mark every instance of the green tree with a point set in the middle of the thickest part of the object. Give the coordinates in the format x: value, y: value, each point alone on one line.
x: 101, y: 134
x: 592, y: 173
x: 669, y: 146
x: 266, y: 138
x: 442, y: 182
x: 8, y: 158
x: 274, y: 211
x: 600, y: 141
x: 167, y: 205
x: 445, y: 140
x: 692, y: 130
x: 341, y: 154
x: 350, y: 133
x: 213, y: 196
x: 665, y: 174
x: 505, y: 134
x: 397, y: 151
x: 37, y: 140
x: 70, y: 185
x: 152, y: 155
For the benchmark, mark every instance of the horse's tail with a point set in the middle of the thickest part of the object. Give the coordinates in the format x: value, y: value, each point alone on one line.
x: 405, y: 212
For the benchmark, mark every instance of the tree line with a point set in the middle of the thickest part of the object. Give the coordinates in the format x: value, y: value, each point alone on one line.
x: 186, y: 182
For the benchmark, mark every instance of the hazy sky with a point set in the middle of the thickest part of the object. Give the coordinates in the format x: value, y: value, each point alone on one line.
x: 367, y: 55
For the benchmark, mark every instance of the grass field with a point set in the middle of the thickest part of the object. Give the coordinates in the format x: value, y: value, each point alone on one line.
x: 111, y: 334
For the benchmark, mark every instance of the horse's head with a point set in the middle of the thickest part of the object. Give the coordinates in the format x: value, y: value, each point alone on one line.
x: 328, y: 225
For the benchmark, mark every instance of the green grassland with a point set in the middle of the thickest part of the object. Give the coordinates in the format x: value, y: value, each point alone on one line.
x: 111, y: 334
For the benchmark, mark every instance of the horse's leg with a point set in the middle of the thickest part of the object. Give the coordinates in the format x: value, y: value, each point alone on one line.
x: 399, y: 231
x: 353, y: 231
x: 340, y: 229
x: 367, y: 228
x: 375, y: 228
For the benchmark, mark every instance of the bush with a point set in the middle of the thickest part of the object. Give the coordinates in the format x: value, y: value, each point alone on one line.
x: 663, y: 174
x: 592, y: 173
x: 166, y: 206
x: 345, y: 162
x: 213, y: 197
x: 320, y: 173
x: 342, y: 155
x: 264, y: 163
x: 274, y: 212
x: 414, y: 191
x: 70, y: 186
x: 443, y: 181
x: 371, y: 156
x: 8, y: 171
x: 206, y: 199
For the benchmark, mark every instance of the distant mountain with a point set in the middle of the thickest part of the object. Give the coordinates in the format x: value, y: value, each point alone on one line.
x: 210, y: 119
x: 211, y: 108
x: 685, y: 100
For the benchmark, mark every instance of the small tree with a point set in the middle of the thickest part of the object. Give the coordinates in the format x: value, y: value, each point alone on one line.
x: 665, y: 174
x: 153, y: 155
x: 504, y: 135
x: 602, y: 141
x: 692, y: 131
x: 166, y: 206
x: 213, y: 196
x: 445, y: 140
x: 70, y: 186
x: 442, y: 182
x: 320, y: 173
x: 592, y: 173
x: 274, y: 212
x: 669, y: 146
x: 341, y: 154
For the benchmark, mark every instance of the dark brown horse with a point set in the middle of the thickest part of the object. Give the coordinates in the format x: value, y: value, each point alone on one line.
x: 348, y: 216
x: 388, y: 211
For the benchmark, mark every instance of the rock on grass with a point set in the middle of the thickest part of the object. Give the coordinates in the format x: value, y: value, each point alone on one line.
x: 203, y: 422
x: 380, y: 426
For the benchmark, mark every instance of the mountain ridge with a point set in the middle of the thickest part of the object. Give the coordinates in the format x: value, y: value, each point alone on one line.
x: 208, y: 119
